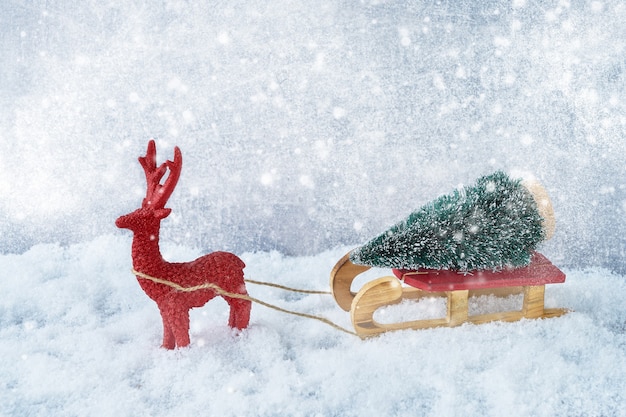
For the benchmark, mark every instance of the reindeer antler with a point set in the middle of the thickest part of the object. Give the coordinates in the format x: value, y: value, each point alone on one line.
x: 157, y: 194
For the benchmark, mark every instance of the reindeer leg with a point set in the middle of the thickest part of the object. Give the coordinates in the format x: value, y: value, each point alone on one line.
x: 239, y: 312
x: 180, y: 326
x: 168, y: 335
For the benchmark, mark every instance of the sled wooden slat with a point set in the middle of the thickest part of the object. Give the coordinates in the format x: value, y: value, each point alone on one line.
x: 341, y: 278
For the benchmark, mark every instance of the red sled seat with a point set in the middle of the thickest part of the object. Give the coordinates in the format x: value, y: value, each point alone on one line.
x: 540, y: 271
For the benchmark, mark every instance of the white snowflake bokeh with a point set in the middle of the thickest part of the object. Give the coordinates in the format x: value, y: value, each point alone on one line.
x: 308, y: 125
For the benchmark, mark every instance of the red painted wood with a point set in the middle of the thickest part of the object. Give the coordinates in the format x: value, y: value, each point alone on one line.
x: 540, y: 271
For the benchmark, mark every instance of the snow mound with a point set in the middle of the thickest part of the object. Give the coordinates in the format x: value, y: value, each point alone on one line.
x: 79, y: 337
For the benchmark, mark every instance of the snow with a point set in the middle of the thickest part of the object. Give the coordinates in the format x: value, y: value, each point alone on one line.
x: 79, y: 337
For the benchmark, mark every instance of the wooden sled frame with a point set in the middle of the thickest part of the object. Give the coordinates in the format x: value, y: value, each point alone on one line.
x: 389, y: 290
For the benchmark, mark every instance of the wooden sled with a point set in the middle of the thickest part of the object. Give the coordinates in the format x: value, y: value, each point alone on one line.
x: 456, y: 286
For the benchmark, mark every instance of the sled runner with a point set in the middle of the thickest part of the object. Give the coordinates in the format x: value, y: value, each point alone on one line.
x: 457, y: 287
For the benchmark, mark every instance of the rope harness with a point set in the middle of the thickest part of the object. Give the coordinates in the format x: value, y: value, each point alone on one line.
x: 224, y: 293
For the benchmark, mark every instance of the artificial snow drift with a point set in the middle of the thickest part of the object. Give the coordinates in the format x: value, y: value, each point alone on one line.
x: 78, y: 337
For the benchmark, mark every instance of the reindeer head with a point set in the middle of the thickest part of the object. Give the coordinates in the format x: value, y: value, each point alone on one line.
x: 152, y: 209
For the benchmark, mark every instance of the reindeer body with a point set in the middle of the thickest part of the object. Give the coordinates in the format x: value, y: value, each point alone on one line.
x: 222, y: 269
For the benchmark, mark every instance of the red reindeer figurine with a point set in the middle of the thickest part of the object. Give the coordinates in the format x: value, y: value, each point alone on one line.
x: 171, y: 285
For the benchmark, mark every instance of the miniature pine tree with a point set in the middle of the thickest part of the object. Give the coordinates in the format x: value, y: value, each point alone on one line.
x: 488, y: 226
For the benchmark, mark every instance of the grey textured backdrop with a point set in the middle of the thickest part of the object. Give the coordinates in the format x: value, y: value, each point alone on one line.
x: 307, y: 125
